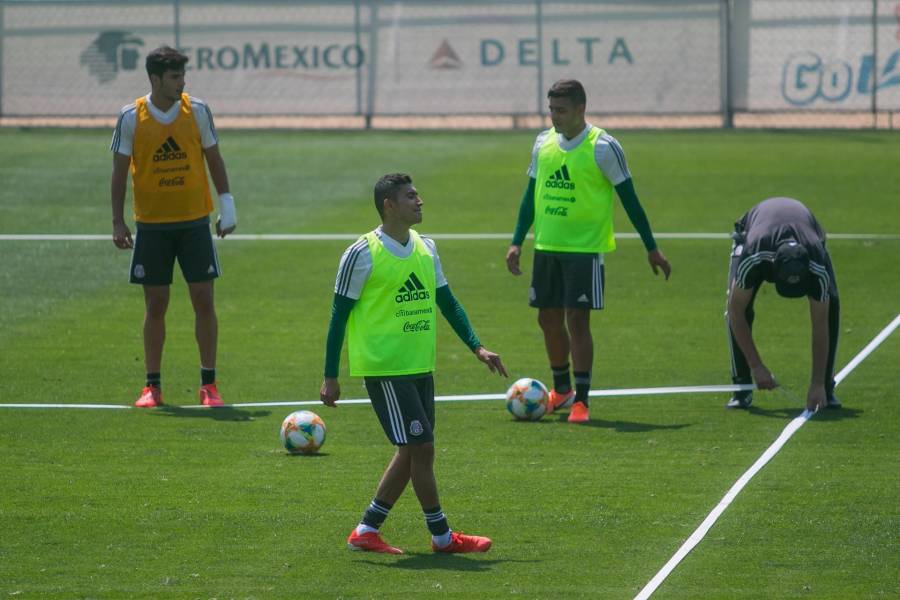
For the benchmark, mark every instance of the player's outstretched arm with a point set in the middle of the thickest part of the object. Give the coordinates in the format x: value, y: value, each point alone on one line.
x: 337, y: 327
x: 330, y: 391
x: 227, y: 220
x: 738, y: 300
x: 118, y: 182
x: 523, y: 224
x: 659, y: 261
x: 638, y: 218
x: 512, y: 259
x: 818, y: 313
x: 492, y: 360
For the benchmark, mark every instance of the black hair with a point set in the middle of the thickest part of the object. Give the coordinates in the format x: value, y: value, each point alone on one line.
x: 387, y: 186
x: 568, y: 88
x: 165, y: 59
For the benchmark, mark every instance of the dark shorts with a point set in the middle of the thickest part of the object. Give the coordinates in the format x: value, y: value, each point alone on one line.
x: 155, y: 251
x: 405, y: 407
x: 567, y: 280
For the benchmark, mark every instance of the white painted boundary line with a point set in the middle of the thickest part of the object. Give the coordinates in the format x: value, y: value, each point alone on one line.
x: 324, y: 237
x: 870, y: 347
x: 460, y: 398
x: 771, y: 451
x: 65, y: 406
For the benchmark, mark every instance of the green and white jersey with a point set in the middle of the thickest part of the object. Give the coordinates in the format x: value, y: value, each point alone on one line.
x: 356, y: 263
x: 608, y: 154
x: 573, y: 198
x: 392, y: 324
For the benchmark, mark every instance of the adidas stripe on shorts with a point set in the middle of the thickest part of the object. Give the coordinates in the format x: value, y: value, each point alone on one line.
x: 567, y: 280
x: 405, y: 407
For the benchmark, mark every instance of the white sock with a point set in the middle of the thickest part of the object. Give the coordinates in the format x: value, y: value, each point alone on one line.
x: 362, y: 528
x: 442, y: 541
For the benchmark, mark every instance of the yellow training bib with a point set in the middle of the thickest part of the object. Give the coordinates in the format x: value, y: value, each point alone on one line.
x: 168, y: 173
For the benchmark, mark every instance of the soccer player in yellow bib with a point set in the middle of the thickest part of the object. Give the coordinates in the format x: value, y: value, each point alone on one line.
x: 569, y: 199
x: 388, y: 287
x: 163, y: 139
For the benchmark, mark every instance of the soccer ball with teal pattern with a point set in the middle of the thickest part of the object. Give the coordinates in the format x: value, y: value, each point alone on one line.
x: 527, y: 399
x: 302, y: 432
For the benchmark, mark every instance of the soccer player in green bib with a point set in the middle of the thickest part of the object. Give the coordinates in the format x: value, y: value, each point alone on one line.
x: 569, y: 199
x: 388, y: 287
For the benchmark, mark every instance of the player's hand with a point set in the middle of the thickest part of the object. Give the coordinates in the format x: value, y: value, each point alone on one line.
x: 227, y: 221
x: 763, y: 378
x: 330, y: 391
x: 223, y: 232
x: 658, y: 261
x: 122, y: 236
x: 492, y: 360
x: 815, y: 397
x: 512, y: 259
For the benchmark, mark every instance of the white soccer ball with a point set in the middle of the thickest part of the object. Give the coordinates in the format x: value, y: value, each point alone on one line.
x: 527, y: 399
x: 302, y: 432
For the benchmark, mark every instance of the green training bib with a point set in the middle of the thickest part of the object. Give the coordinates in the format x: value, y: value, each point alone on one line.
x: 392, y: 325
x: 573, y: 200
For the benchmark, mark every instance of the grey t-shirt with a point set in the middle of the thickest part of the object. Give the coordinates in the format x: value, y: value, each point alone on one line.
x: 764, y: 228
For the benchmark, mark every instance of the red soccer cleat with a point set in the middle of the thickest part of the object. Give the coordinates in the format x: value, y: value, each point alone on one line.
x: 558, y: 400
x: 209, y: 395
x: 151, y: 396
x: 460, y: 543
x: 370, y: 542
x: 579, y: 413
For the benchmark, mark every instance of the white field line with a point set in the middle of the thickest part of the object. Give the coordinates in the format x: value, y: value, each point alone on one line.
x: 100, y: 406
x: 770, y: 452
x: 320, y: 237
x: 459, y: 398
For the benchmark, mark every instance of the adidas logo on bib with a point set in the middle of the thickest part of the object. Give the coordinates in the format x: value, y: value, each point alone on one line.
x: 560, y: 179
x: 169, y: 150
x: 411, y: 290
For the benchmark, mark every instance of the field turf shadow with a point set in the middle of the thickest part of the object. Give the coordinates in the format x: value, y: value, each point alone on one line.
x: 219, y: 413
x: 434, y: 560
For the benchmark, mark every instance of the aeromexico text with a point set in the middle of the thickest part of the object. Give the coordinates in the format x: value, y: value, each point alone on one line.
x: 266, y: 56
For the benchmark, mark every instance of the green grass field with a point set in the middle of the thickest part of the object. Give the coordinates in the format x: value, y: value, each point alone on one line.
x: 195, y: 503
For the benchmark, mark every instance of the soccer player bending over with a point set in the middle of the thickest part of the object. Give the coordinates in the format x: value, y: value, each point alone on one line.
x: 779, y: 240
x: 388, y: 285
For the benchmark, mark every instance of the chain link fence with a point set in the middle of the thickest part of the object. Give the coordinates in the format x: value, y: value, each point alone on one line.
x: 672, y: 63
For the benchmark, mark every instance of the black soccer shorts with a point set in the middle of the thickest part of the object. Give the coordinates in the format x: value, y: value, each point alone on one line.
x: 405, y: 407
x: 155, y: 252
x: 567, y: 280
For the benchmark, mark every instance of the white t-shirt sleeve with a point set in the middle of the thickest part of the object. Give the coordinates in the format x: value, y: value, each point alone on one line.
x: 205, y: 123
x: 538, y: 142
x: 123, y: 136
x: 611, y: 159
x: 354, y: 270
x: 439, y: 278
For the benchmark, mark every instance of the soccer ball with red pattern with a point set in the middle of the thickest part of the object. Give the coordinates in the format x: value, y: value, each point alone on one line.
x: 302, y: 432
x: 527, y: 399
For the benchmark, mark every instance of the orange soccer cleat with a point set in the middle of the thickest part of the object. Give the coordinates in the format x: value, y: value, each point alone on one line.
x: 460, y: 542
x: 151, y: 396
x: 370, y: 542
x: 558, y: 400
x: 209, y: 395
x: 579, y: 413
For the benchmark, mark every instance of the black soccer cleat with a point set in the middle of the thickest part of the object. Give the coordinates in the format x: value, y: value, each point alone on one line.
x: 832, y: 401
